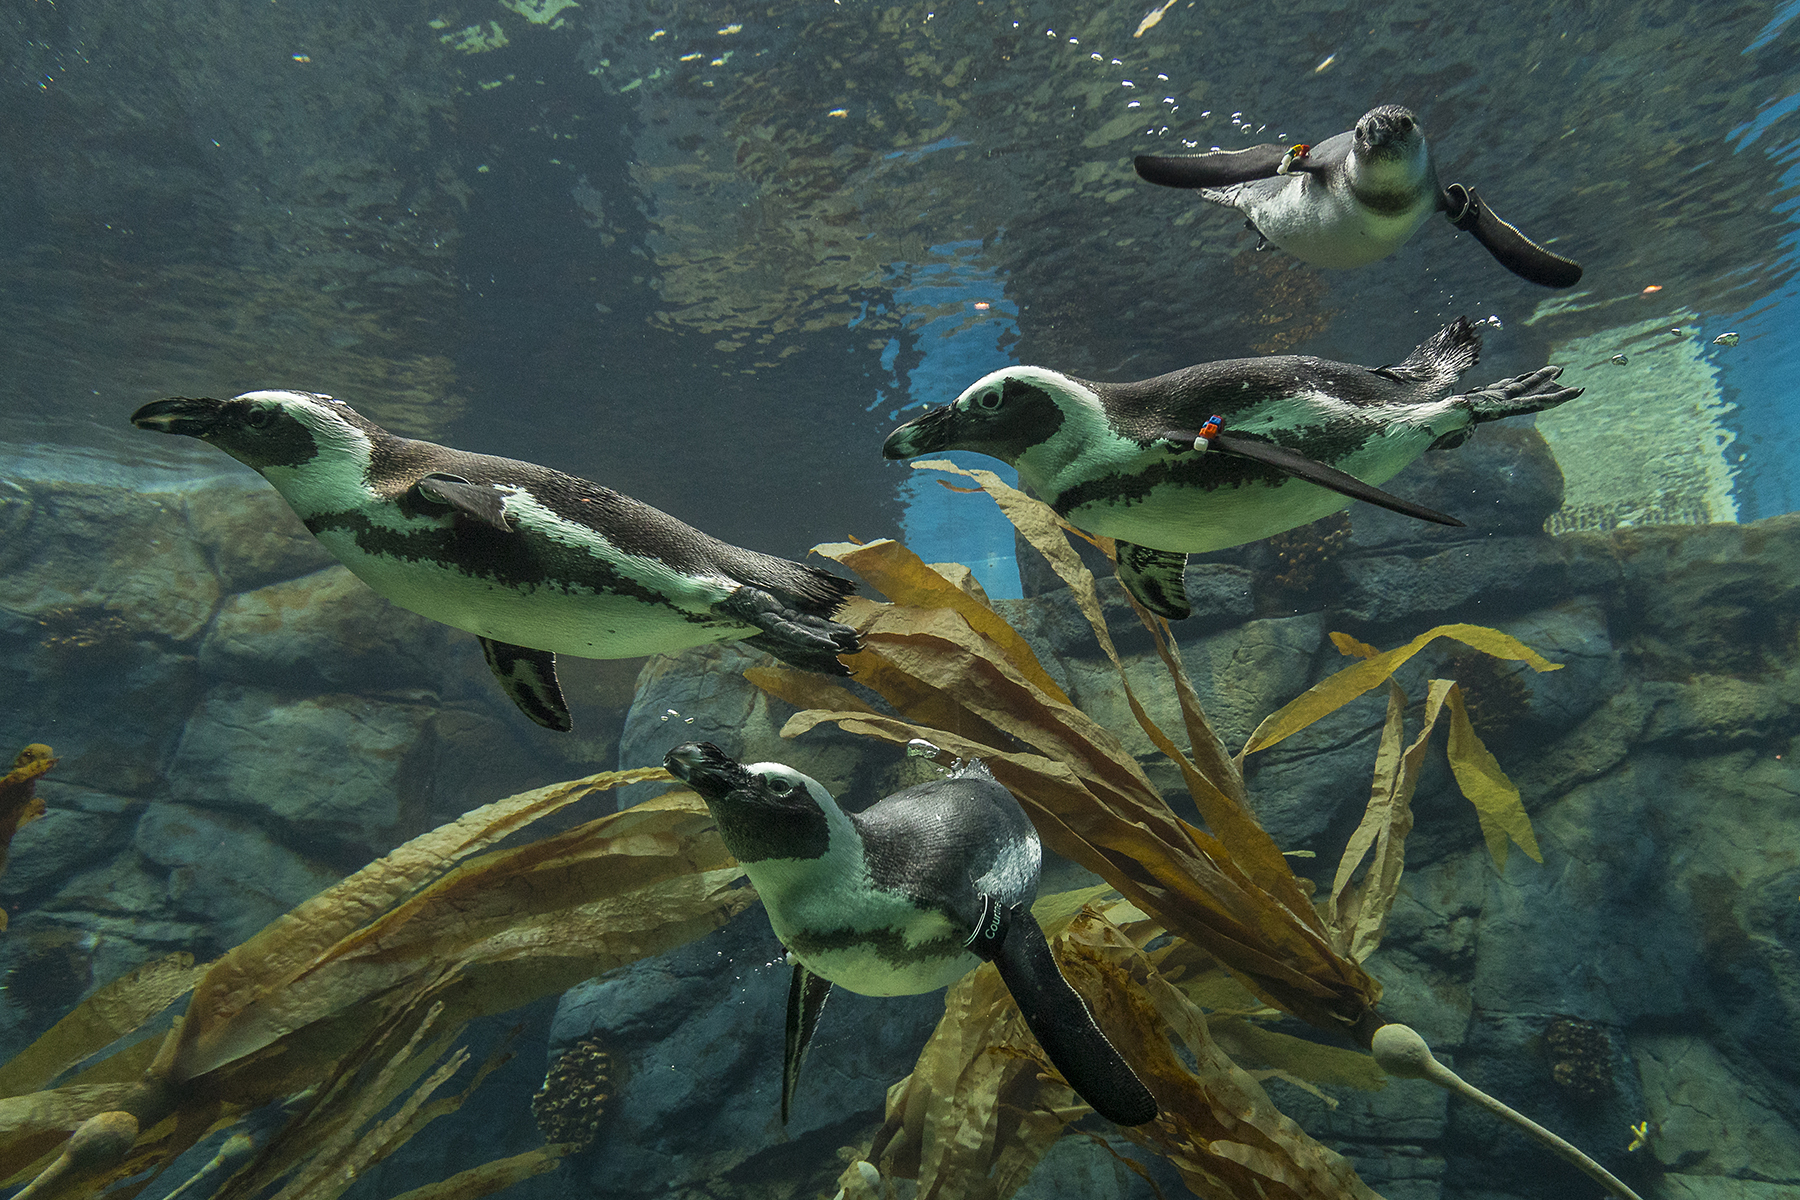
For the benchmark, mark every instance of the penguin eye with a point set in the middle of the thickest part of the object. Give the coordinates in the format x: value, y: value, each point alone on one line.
x: 988, y: 401
x: 779, y: 786
x: 259, y: 417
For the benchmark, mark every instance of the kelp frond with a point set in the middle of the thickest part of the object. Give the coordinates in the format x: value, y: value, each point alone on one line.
x: 354, y: 999
x: 971, y: 1120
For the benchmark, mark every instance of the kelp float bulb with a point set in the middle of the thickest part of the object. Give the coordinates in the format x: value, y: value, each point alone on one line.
x: 1402, y: 1053
x: 101, y: 1141
x: 866, y: 1175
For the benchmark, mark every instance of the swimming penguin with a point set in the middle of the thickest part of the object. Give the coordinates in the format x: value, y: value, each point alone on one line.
x: 1352, y: 198
x: 905, y: 897
x: 1222, y: 453
x: 533, y: 562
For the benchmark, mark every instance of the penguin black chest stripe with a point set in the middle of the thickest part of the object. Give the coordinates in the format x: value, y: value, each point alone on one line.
x: 1147, y: 409
x: 633, y: 527
x: 891, y: 947
x: 519, y: 560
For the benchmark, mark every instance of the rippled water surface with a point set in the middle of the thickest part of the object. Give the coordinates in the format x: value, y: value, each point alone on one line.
x: 708, y: 253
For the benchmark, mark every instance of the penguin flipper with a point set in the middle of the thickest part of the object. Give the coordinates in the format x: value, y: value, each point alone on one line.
x: 477, y: 501
x: 1313, y: 471
x: 800, y: 639
x: 1156, y: 578
x: 529, y: 677
x: 1217, y: 169
x: 807, y: 994
x: 1065, y: 1028
x: 1510, y: 248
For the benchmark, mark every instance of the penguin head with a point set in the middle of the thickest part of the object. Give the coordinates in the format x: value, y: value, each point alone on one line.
x: 1003, y: 414
x: 764, y: 810
x: 1388, y: 132
x: 264, y: 430
x: 1390, y: 165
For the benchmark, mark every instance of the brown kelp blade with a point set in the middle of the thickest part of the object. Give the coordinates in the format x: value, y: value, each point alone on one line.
x: 982, y: 1105
x: 1331, y: 694
x: 1088, y: 796
x: 359, y: 991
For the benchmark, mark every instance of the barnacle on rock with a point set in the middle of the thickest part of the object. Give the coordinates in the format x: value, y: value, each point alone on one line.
x: 1304, y: 551
x: 569, y: 1105
x: 1580, y: 1057
x: 1497, y: 698
x: 79, y: 627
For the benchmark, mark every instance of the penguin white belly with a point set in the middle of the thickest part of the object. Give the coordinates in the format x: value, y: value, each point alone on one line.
x: 868, y: 940
x: 1329, y: 227
x: 571, y: 619
x: 1194, y: 520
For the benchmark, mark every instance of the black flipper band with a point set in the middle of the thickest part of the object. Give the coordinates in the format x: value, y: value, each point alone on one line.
x: 1217, y: 169
x: 529, y: 677
x: 1157, y: 578
x: 1510, y: 248
x: 807, y: 994
x: 1313, y: 471
x: 477, y: 501
x: 990, y: 929
x: 1065, y: 1028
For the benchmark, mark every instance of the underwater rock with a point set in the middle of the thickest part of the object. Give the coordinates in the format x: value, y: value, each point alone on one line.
x: 344, y: 768
x: 695, y: 1037
x: 329, y: 631
x: 117, y: 703
x: 1708, y: 1119
x: 1502, y: 482
x: 226, y: 870
x: 122, y: 548
x: 1712, y: 598
x: 252, y: 536
x: 1486, y: 581
x: 701, y: 695
x: 79, y: 826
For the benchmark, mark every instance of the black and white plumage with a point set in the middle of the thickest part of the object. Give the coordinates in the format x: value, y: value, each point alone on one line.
x: 905, y: 897
x: 1353, y: 198
x: 1301, y: 437
x: 532, y: 561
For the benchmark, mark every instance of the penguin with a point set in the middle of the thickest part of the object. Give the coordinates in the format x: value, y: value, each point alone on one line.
x: 533, y: 562
x: 1222, y: 453
x: 905, y: 897
x: 1352, y: 198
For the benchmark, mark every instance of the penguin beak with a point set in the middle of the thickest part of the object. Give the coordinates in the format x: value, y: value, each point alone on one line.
x: 178, y: 414
x: 934, y: 431
x: 707, y: 769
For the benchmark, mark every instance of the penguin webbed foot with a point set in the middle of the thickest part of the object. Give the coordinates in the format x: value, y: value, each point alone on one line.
x: 800, y: 639
x: 1060, y: 1020
x: 1156, y: 579
x: 528, y: 677
x: 1510, y: 248
x: 1531, y: 392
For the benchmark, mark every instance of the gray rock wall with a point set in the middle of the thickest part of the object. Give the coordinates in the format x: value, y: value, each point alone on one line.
x: 240, y: 722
